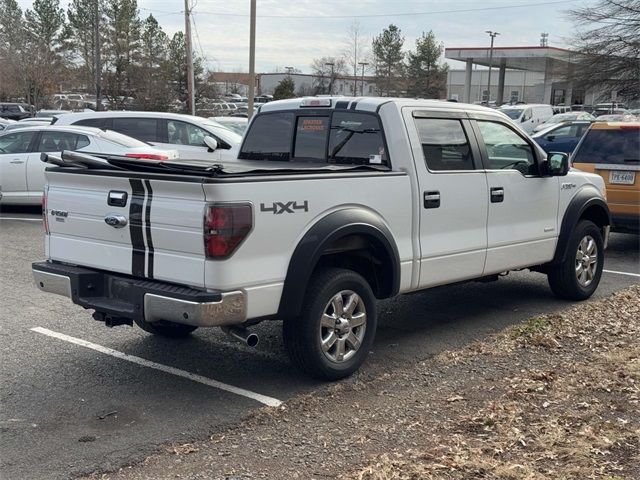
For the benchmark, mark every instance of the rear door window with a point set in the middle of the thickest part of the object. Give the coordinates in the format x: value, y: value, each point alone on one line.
x: 144, y: 129
x: 619, y: 146
x: 90, y: 122
x: 444, y: 144
x: 59, y: 141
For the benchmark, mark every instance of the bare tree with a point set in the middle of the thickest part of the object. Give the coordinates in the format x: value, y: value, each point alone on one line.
x: 609, y: 44
x: 326, y: 70
x: 355, y: 51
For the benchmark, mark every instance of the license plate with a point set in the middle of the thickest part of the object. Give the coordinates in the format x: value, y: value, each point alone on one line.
x: 622, y: 178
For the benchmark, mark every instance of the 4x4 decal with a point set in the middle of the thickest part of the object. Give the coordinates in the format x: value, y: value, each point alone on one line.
x: 278, y: 208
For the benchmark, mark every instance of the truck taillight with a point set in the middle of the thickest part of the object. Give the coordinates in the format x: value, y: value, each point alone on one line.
x: 45, y: 217
x: 225, y: 227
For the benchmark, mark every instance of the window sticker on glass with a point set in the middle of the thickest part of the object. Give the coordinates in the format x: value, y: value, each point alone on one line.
x: 313, y: 125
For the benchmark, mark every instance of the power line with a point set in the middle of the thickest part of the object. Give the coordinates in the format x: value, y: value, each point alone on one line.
x: 374, y: 15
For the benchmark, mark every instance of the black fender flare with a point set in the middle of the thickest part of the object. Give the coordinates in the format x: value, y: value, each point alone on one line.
x: 332, y: 227
x: 585, y: 199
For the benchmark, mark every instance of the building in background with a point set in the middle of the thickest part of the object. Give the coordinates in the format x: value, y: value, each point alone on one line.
x: 532, y: 74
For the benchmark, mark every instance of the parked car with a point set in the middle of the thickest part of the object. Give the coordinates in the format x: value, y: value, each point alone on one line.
x: 22, y: 172
x: 564, y: 117
x: 612, y: 150
x: 528, y: 116
x: 15, y: 111
x: 185, y: 133
x: 562, y: 137
x: 50, y: 113
x: 4, y: 123
x: 609, y: 108
x: 20, y: 125
x: 342, y: 201
x: 237, y: 124
x: 617, y: 117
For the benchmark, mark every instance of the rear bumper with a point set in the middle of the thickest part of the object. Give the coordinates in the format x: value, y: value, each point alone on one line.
x: 119, y: 296
x: 625, y: 223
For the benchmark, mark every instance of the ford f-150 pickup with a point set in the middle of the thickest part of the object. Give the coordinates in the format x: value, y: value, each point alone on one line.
x: 333, y: 204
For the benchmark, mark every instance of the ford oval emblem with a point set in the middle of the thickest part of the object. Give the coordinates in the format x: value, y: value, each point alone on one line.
x: 116, y: 221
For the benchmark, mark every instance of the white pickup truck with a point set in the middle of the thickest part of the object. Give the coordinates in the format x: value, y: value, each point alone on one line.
x: 337, y: 202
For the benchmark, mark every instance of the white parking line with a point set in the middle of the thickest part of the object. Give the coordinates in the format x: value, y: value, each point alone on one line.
x: 269, y: 401
x: 22, y: 219
x: 623, y: 273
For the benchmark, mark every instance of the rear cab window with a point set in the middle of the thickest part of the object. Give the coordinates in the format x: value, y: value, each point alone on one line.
x: 615, y: 146
x: 331, y: 136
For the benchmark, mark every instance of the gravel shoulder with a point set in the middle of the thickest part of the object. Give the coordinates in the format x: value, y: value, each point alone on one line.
x: 556, y: 397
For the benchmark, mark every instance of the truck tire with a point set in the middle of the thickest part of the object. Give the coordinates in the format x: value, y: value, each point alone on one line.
x: 165, y: 328
x: 333, y: 335
x: 578, y: 276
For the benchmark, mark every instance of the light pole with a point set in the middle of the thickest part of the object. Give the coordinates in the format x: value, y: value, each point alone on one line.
x: 289, y: 70
x: 252, y: 58
x: 330, y: 64
x: 492, y: 35
x: 364, y: 64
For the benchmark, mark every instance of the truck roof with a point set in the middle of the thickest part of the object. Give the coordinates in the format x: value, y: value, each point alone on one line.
x: 369, y: 104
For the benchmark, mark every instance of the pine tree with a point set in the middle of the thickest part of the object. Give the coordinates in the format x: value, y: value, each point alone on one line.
x: 388, y: 60
x: 285, y: 89
x: 122, y: 49
x: 152, y: 79
x: 426, y: 78
x: 43, y: 40
x: 13, y: 71
x: 79, y: 36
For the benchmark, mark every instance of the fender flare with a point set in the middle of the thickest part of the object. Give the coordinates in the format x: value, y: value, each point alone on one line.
x: 334, y: 226
x: 583, y: 200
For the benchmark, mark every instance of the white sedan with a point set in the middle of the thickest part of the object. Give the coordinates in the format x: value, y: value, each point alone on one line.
x: 22, y: 173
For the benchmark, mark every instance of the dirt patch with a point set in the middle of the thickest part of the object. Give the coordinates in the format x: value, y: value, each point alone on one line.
x: 557, y: 397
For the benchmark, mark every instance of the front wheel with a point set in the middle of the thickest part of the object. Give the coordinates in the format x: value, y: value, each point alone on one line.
x: 333, y: 335
x: 165, y: 328
x: 578, y: 276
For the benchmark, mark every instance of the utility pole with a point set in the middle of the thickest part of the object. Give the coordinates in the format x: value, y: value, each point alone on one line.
x: 544, y: 39
x: 191, y: 103
x: 492, y: 35
x: 364, y: 64
x: 332, y: 65
x: 252, y: 58
x: 98, y: 62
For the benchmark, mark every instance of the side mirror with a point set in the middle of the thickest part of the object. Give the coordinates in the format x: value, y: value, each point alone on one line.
x: 211, y: 142
x: 558, y: 164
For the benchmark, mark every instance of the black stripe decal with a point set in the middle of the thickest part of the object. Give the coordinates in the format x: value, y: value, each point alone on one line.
x: 147, y: 218
x: 354, y: 103
x: 342, y: 104
x: 135, y: 228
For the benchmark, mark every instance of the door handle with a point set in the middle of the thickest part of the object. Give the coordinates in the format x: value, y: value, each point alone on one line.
x: 16, y: 161
x: 431, y: 199
x: 497, y: 194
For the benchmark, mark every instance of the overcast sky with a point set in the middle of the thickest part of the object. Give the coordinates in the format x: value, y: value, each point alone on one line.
x: 222, y: 27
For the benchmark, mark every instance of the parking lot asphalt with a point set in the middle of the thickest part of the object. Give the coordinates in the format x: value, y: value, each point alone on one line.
x: 77, y: 397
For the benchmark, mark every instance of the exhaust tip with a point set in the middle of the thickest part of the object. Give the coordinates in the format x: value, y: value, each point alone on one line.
x: 252, y: 340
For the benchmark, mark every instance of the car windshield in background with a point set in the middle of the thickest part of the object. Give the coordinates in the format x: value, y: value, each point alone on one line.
x: 512, y: 113
x: 230, y: 135
x: 618, y: 146
x: 236, y: 127
x: 120, y: 139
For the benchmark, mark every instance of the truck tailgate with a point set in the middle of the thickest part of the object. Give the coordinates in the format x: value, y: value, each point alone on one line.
x: 156, y: 232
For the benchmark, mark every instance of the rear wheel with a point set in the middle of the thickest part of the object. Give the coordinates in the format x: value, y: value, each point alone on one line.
x: 578, y: 276
x: 333, y: 335
x: 166, y: 329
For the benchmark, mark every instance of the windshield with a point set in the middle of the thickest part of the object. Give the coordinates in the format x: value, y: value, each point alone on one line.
x: 122, y: 140
x: 512, y: 113
x: 237, y: 127
x: 227, y: 135
x: 563, y: 117
x: 614, y: 146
